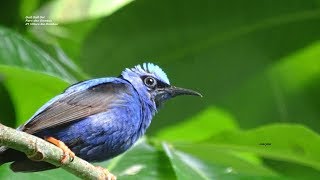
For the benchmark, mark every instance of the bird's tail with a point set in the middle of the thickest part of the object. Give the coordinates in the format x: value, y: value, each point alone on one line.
x: 28, y: 165
x: 9, y: 155
x: 2, y: 155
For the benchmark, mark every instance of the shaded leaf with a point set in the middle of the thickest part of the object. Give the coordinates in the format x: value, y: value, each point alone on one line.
x: 297, y: 70
x: 285, y: 92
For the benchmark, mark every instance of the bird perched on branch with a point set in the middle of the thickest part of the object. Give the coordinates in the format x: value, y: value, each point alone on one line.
x: 97, y: 119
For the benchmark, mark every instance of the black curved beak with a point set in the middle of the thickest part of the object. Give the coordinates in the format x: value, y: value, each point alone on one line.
x: 177, y: 91
x: 168, y: 92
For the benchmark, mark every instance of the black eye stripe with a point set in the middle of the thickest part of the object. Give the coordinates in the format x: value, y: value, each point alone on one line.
x: 161, y: 84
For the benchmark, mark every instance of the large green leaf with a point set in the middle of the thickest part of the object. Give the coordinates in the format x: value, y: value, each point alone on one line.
x: 292, y: 143
x: 245, y: 163
x: 286, y: 91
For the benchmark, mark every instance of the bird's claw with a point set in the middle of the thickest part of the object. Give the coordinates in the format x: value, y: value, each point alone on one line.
x: 107, y: 174
x: 68, y: 155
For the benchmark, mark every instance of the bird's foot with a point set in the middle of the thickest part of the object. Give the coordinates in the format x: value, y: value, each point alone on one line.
x: 67, y: 153
x: 107, y: 174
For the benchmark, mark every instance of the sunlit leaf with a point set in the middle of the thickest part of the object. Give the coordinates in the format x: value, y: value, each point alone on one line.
x: 238, y: 162
x: 185, y: 167
x: 141, y: 162
x: 188, y: 167
x: 209, y: 122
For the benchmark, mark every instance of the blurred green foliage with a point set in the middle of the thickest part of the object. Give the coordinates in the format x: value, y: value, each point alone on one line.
x: 256, y: 63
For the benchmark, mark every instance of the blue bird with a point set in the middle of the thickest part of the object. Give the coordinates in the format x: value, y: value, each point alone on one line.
x: 98, y: 119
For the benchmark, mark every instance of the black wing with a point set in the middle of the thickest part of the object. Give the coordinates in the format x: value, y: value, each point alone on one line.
x: 78, y: 105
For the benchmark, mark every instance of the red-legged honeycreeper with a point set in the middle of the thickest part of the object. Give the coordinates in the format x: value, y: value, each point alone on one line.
x: 98, y: 119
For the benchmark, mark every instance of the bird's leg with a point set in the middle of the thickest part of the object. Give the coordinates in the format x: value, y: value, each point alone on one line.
x: 107, y: 174
x: 67, y: 153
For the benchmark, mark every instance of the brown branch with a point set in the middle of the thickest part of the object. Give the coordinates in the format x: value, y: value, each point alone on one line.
x: 41, y: 150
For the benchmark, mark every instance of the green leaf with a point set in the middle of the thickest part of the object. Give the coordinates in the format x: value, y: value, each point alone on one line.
x: 292, y: 143
x: 188, y: 167
x: 141, y: 162
x: 209, y: 122
x: 295, y: 71
x: 245, y: 163
x: 20, y: 52
x: 285, y: 92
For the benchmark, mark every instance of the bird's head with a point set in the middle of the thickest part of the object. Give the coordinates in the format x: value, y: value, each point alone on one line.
x: 151, y: 81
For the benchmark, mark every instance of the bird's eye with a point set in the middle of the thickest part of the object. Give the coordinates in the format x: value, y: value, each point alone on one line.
x: 150, y: 82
